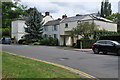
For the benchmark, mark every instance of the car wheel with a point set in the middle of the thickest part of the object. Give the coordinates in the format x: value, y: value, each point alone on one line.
x: 104, y: 52
x: 96, y: 51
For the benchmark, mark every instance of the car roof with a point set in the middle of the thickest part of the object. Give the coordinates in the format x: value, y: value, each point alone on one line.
x: 104, y: 40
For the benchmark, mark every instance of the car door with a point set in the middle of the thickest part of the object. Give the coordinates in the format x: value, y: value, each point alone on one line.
x: 102, y: 45
x: 109, y: 46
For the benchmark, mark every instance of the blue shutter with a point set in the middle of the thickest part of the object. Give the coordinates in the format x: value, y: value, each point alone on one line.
x: 23, y: 30
x: 53, y: 35
x: 56, y: 27
x: 43, y: 29
x: 52, y: 28
x: 47, y: 28
x: 57, y: 36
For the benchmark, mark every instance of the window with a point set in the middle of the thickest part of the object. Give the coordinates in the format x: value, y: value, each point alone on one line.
x: 109, y: 42
x: 46, y: 35
x: 23, y: 30
x: 55, y: 36
x: 46, y: 28
x: 55, y: 27
x: 66, y: 25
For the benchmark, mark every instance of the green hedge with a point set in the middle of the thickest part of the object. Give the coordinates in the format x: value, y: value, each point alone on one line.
x: 49, y: 41
x: 85, y: 43
x: 98, y: 34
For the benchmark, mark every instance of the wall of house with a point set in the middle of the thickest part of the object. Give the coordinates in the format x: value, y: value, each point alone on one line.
x: 106, y: 25
x: 18, y: 29
x: 51, y: 32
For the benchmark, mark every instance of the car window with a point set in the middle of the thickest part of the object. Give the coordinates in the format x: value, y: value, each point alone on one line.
x: 101, y: 42
x: 109, y: 42
x: 115, y: 42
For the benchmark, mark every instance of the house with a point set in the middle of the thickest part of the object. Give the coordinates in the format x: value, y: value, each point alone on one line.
x: 66, y: 24
x: 18, y: 26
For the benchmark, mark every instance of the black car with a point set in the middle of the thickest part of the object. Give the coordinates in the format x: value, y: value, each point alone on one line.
x: 106, y: 46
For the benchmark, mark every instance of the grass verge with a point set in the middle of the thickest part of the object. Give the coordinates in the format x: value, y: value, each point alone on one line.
x: 19, y: 67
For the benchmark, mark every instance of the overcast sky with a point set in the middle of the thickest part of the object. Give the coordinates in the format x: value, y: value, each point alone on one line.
x: 57, y: 8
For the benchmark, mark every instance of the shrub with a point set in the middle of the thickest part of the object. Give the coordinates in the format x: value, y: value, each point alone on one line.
x: 85, y: 43
x: 21, y: 41
x: 36, y: 43
x: 49, y: 41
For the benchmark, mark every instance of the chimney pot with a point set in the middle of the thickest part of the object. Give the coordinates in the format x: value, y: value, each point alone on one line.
x: 47, y: 13
x: 64, y: 16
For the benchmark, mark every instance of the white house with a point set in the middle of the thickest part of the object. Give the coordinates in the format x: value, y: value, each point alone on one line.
x: 68, y: 23
x: 61, y: 28
x: 17, y: 30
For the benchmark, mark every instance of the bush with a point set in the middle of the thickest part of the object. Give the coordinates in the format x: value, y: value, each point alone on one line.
x: 85, y: 43
x: 49, y: 41
x: 36, y: 43
x: 21, y: 41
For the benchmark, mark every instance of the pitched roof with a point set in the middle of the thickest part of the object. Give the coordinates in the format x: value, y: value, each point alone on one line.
x: 72, y: 19
x: 79, y: 18
x: 53, y: 22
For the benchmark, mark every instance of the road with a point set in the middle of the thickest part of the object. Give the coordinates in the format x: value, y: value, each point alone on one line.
x: 98, y: 65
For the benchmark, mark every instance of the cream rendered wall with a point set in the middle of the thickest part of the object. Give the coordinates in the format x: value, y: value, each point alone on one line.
x: 17, y: 29
x: 106, y: 25
x: 50, y: 32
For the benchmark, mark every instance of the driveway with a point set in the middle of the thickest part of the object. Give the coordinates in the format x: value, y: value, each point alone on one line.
x: 98, y: 65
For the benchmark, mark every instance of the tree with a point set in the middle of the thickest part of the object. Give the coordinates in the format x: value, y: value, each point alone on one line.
x: 105, y: 9
x: 11, y: 11
x: 34, y: 26
x: 115, y: 17
x: 84, y: 29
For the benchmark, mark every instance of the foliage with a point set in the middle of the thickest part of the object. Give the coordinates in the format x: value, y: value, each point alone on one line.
x: 115, y: 17
x: 49, y: 41
x: 21, y: 41
x: 84, y: 29
x: 36, y: 43
x: 11, y: 11
x: 34, y: 26
x: 105, y: 9
x: 99, y: 33
x: 6, y: 31
x: 86, y: 43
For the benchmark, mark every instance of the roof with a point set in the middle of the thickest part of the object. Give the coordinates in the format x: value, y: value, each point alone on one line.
x: 79, y: 18
x: 72, y: 19
x: 23, y: 18
x: 53, y: 22
x: 101, y: 18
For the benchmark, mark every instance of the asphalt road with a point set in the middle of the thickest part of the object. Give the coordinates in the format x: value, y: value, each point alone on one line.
x: 98, y: 65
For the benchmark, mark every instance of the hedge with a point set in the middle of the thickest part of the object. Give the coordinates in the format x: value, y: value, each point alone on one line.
x: 85, y: 43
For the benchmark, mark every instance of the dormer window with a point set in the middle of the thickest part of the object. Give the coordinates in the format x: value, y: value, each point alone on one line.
x: 66, y: 25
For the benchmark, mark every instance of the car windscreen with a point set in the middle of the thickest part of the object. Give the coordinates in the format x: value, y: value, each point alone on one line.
x: 115, y: 42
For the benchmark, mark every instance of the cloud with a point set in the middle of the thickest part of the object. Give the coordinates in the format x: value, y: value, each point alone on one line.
x: 68, y: 7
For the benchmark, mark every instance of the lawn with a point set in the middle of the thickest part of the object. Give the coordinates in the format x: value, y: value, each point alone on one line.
x: 19, y: 67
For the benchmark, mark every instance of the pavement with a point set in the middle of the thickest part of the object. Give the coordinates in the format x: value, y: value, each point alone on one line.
x: 97, y: 65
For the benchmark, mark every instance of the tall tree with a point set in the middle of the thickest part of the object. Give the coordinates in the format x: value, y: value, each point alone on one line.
x: 84, y: 29
x: 34, y: 26
x: 10, y: 11
x: 116, y: 18
x: 105, y: 8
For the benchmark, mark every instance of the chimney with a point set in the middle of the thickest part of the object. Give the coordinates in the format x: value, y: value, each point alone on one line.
x: 64, y: 16
x: 47, y: 13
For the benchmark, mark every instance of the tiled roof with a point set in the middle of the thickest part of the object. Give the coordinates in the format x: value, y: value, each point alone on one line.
x: 53, y: 22
x: 72, y: 19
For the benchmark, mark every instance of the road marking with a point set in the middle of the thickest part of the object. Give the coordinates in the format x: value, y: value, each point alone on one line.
x: 65, y: 67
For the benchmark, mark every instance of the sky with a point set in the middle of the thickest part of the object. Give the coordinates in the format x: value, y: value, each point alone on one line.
x: 57, y: 8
